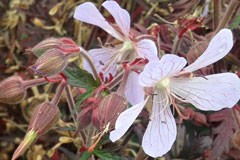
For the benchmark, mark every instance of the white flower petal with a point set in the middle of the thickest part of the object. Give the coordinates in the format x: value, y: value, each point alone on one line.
x: 147, y: 49
x: 156, y: 70
x: 218, y: 47
x: 87, y: 12
x: 212, y: 92
x: 125, y: 120
x: 102, y: 57
x: 161, y: 131
x: 121, y: 16
x: 133, y: 91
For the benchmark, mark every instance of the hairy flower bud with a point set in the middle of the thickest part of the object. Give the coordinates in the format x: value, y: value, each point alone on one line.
x: 44, y: 45
x: 64, y: 44
x: 108, y: 110
x: 12, y: 90
x: 50, y: 63
x: 44, y: 117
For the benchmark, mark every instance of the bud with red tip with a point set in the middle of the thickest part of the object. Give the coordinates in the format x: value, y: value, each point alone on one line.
x: 44, y: 45
x: 12, y: 90
x: 64, y: 44
x: 50, y: 63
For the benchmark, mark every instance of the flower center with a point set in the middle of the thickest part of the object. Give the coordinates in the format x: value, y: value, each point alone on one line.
x: 164, y: 83
x: 127, y: 45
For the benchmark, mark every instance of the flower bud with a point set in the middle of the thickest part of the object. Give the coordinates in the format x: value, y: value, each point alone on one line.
x: 108, y: 110
x: 44, y: 117
x: 64, y: 44
x: 44, y: 45
x: 50, y: 63
x: 12, y: 90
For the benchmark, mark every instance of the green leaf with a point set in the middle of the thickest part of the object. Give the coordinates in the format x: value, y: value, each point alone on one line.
x: 80, y: 99
x: 85, y: 155
x: 80, y: 78
x: 235, y: 22
x: 104, y: 155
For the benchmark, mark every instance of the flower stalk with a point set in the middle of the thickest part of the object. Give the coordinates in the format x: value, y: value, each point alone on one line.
x: 233, y: 5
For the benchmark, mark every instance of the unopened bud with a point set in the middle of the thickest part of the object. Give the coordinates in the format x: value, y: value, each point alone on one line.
x: 44, y: 117
x: 44, y: 45
x: 109, y: 109
x: 66, y: 45
x: 12, y: 90
x: 50, y: 63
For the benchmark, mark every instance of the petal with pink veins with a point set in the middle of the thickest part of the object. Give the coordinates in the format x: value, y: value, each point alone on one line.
x: 147, y: 49
x: 125, y: 120
x: 213, y: 92
x: 121, y: 16
x: 88, y: 13
x: 161, y: 131
x: 102, y: 58
x: 218, y: 47
x: 133, y: 91
x: 157, y: 70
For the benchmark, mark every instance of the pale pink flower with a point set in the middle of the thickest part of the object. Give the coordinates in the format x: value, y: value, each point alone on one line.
x: 169, y: 80
x: 106, y: 59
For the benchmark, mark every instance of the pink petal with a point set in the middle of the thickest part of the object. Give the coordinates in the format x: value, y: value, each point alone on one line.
x: 125, y: 120
x: 157, y: 70
x: 213, y: 92
x: 121, y: 16
x: 218, y: 47
x: 133, y: 91
x: 102, y: 57
x: 147, y: 49
x: 88, y: 13
x: 161, y: 131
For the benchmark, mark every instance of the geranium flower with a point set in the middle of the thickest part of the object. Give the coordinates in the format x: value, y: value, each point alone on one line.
x: 169, y: 79
x: 106, y: 59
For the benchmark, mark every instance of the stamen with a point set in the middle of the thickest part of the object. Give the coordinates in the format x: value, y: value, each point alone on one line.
x: 182, y: 117
x: 166, y: 103
x: 92, y: 147
x: 179, y: 98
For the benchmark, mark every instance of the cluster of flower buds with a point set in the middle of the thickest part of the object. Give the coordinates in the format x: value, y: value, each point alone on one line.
x: 53, y: 55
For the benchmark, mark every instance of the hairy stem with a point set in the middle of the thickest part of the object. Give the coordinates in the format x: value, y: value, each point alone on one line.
x: 176, y: 43
x: 39, y: 81
x: 217, y: 10
x: 90, y: 61
x: 59, y: 92
x: 70, y: 102
x: 228, y: 14
x: 34, y: 82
